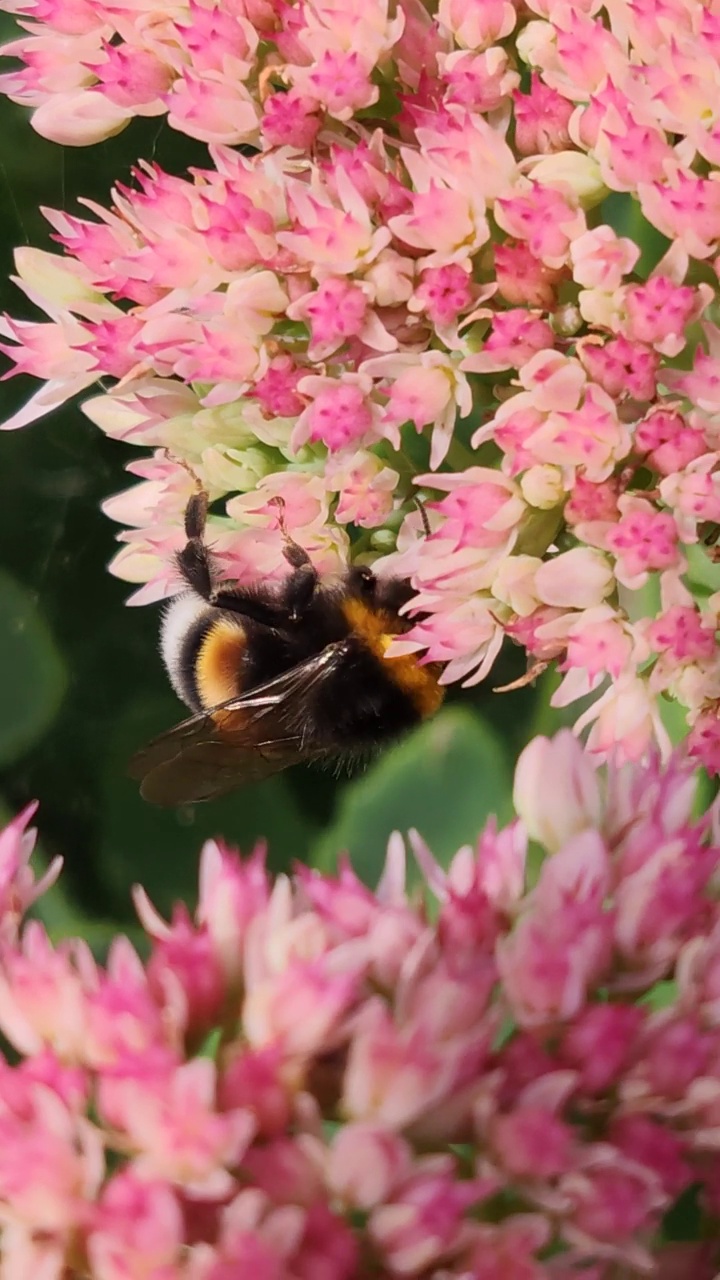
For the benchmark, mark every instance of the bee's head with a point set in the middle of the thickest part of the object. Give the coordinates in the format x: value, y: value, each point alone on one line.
x: 386, y: 594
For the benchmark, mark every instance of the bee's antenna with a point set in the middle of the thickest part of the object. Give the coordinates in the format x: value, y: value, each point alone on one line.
x: 423, y: 515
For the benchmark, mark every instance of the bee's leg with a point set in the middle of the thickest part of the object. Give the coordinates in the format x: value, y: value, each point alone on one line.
x: 195, y: 565
x: 300, y: 586
x: 194, y: 559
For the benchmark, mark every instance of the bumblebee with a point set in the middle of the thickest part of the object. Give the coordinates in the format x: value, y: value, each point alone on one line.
x: 276, y: 675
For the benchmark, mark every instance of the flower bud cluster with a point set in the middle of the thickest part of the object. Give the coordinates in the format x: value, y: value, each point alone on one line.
x: 406, y: 262
x: 518, y: 1076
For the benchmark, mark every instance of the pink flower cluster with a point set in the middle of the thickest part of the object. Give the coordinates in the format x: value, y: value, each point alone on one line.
x: 308, y: 1080
x: 409, y: 274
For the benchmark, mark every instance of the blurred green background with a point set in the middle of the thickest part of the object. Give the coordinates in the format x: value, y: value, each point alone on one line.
x: 81, y: 683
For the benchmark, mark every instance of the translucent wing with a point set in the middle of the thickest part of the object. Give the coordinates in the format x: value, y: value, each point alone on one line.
x: 243, y: 740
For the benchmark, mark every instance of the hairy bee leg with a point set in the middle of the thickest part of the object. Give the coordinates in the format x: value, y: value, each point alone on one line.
x: 301, y: 585
x: 196, y: 516
x: 266, y: 612
x: 291, y: 604
x: 194, y: 559
x: 195, y: 565
x: 300, y: 588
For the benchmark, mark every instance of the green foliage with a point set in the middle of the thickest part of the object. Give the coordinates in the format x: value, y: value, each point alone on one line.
x: 684, y: 1219
x: 159, y: 848
x: 34, y: 677
x: 445, y: 780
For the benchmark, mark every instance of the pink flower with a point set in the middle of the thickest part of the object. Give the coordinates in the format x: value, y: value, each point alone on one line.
x: 560, y: 945
x: 51, y: 1168
x: 365, y: 488
x: 492, y: 1080
x: 643, y: 1139
x: 625, y: 719
x: 423, y: 1220
x: 480, y: 510
x: 671, y: 441
x: 475, y: 25
x: 600, y: 1043
x: 185, y: 970
x: 660, y: 312
x: 271, y: 1007
x: 443, y: 293
x: 642, y: 540
x: 541, y: 119
x: 137, y: 1230
x: 622, y: 368
x: 532, y: 1143
x: 693, y: 494
x: 522, y: 279
x: 339, y: 82
x: 42, y: 994
x: 545, y: 220
x: 258, y: 1081
x: 232, y: 893
x: 614, y: 1200
x: 429, y: 391
x: 332, y: 238
x: 290, y: 118
x: 687, y: 210
x: 446, y: 222
x: 169, y: 1121
x: 77, y: 119
x: 366, y: 1163
x: 509, y: 1248
x: 133, y: 77
x: 212, y: 109
x: 547, y: 816
x: 517, y: 335
x: 340, y: 414
x: 416, y: 240
x: 481, y: 80
x: 335, y: 311
x: 600, y: 259
x: 18, y: 887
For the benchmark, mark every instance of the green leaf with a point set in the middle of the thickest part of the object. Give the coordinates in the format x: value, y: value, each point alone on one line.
x: 548, y: 720
x: 445, y: 779
x: 702, y: 570
x: 661, y: 995
x: 159, y: 848
x: 674, y: 718
x: 683, y: 1221
x: 33, y: 673
x: 211, y: 1044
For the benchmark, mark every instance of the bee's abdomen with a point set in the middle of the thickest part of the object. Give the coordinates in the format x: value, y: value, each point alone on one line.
x: 203, y: 651
x: 219, y: 662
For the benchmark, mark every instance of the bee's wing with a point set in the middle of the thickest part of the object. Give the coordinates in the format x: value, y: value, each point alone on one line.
x: 243, y: 740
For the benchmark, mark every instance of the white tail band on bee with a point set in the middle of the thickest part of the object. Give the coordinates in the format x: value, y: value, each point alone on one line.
x: 181, y: 613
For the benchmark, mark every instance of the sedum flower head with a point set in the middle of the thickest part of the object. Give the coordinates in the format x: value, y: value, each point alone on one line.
x: 516, y: 1073
x: 399, y: 266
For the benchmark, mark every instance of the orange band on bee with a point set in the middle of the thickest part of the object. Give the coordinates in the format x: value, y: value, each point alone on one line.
x: 377, y: 629
x: 218, y: 666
